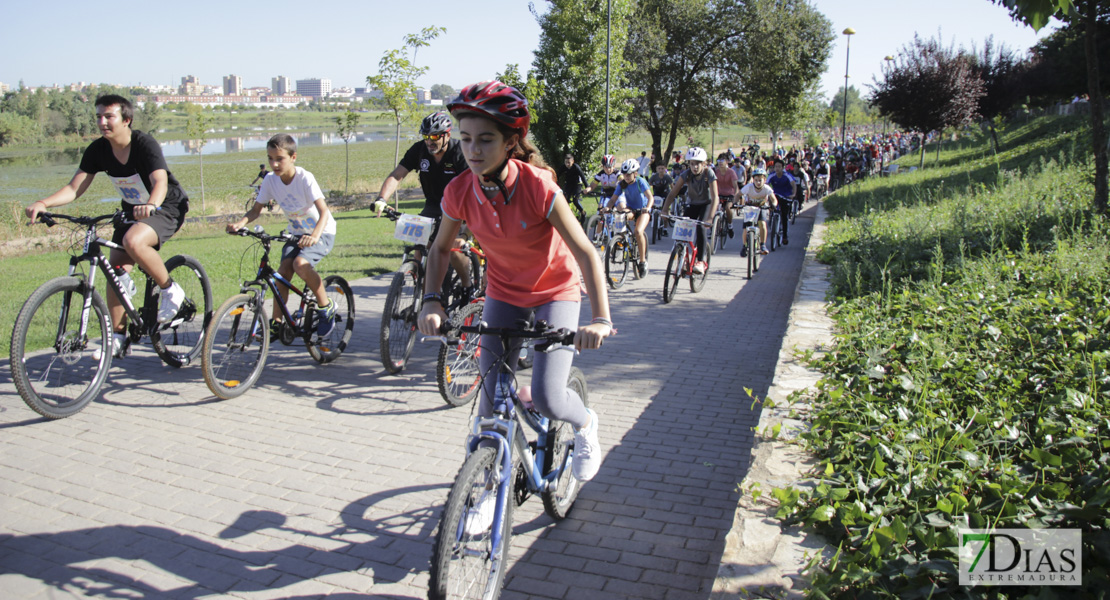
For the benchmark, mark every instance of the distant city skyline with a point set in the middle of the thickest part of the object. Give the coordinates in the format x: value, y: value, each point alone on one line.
x: 58, y: 43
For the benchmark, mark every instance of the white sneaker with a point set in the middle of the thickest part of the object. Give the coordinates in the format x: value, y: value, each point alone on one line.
x: 172, y: 298
x: 116, y: 342
x: 479, y: 517
x: 587, y: 450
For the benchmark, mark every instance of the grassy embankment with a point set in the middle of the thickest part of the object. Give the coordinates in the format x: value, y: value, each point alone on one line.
x: 970, y: 383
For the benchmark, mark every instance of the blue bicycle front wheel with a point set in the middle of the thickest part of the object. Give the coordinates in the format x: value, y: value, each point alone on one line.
x: 465, y: 561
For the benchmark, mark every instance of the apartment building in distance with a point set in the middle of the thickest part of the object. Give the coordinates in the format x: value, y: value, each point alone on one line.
x: 190, y: 86
x: 314, y: 88
x: 279, y: 86
x: 233, y: 85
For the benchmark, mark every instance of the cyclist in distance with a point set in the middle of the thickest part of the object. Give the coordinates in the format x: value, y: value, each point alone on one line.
x: 785, y: 187
x: 571, y: 180
x: 440, y: 160
x: 511, y: 203
x: 634, y: 193
x: 701, y: 196
x: 757, y: 193
x: 726, y: 188
x: 606, y: 178
x: 150, y: 196
x: 661, y: 182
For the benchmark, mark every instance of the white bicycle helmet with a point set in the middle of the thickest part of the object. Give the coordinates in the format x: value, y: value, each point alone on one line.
x: 696, y: 153
x: 608, y: 160
x: 630, y: 166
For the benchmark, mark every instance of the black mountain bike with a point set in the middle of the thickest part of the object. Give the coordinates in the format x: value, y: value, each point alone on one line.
x: 62, y: 347
x: 238, y: 339
x: 406, y: 293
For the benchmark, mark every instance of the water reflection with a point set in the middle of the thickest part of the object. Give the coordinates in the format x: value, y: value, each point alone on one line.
x: 258, y: 142
x: 221, y: 145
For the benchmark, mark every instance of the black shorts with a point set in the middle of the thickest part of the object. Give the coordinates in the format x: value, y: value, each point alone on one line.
x: 727, y: 199
x: 636, y: 212
x: 165, y: 222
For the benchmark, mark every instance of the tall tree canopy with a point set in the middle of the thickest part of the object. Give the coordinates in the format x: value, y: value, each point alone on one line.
x: 693, y: 58
x: 569, y: 66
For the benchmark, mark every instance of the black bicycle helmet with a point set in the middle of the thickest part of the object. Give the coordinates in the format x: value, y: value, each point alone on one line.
x: 436, y: 123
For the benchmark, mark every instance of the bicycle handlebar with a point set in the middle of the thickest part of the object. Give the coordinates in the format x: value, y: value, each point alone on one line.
x: 673, y: 218
x: 50, y: 218
x: 541, y: 331
x: 265, y: 237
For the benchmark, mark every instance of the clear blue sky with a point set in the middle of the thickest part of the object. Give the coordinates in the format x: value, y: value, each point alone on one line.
x: 44, y: 43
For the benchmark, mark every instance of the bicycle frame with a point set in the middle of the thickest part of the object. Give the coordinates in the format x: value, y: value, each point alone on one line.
x: 91, y: 254
x: 267, y: 277
x: 505, y: 429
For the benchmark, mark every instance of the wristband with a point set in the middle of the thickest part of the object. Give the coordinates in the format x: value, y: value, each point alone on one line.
x: 436, y: 298
x: 602, y: 320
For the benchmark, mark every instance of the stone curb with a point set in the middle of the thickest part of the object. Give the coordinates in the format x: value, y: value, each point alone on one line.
x: 761, y: 558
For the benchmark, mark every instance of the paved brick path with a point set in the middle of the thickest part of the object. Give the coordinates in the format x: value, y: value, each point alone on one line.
x: 328, y: 480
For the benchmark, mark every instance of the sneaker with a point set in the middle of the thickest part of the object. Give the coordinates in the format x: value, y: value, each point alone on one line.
x: 744, y: 251
x: 731, y: 233
x: 642, y: 268
x: 479, y: 517
x: 118, y: 343
x: 172, y: 297
x: 785, y: 241
x: 763, y: 249
x: 325, y: 320
x: 587, y: 450
x: 275, y: 329
x: 699, y: 267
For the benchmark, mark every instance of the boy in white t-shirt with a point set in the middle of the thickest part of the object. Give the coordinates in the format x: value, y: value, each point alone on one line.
x: 757, y: 193
x: 299, y: 196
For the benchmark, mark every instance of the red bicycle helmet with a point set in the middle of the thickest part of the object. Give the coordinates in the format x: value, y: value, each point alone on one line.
x: 495, y: 100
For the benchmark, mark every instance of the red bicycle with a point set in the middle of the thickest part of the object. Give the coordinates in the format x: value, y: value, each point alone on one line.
x: 684, y: 256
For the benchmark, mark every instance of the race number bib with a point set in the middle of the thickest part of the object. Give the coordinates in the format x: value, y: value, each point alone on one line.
x: 414, y: 229
x: 301, y: 222
x: 131, y: 189
x: 685, y: 230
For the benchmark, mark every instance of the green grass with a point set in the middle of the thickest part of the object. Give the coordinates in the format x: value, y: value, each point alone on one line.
x: 970, y: 382
x: 364, y: 247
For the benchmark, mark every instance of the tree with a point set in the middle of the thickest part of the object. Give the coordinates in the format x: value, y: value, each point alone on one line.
x: 778, y: 95
x: 346, y: 124
x: 149, y: 116
x: 441, y: 91
x: 859, y: 112
x: 397, y: 76
x: 689, y: 66
x: 1000, y: 71
x: 929, y: 87
x: 196, y: 128
x: 1088, y: 13
x: 569, y: 114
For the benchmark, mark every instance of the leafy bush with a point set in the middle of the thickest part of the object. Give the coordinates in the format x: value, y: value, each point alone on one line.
x: 969, y: 386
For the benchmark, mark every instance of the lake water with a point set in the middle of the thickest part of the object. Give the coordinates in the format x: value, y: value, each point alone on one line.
x: 218, y: 143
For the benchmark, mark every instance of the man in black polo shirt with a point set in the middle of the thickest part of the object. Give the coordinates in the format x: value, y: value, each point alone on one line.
x: 439, y: 159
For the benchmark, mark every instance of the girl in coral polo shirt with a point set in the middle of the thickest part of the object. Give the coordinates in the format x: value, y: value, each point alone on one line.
x: 534, y: 247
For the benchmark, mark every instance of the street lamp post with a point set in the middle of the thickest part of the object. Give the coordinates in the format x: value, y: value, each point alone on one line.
x: 848, y: 32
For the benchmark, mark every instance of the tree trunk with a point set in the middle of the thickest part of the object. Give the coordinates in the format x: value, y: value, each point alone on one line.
x: 921, y: 163
x: 994, y: 135
x: 397, y: 143
x: 346, y: 168
x: 940, y: 141
x: 1094, y: 93
x: 203, y: 208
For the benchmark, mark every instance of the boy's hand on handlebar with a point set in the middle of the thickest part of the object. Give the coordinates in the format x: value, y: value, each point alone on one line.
x: 143, y: 211
x: 308, y: 239
x: 590, y: 337
x: 432, y: 317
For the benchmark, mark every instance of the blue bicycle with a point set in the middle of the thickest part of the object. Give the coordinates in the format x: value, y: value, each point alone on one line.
x: 503, y: 468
